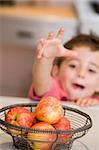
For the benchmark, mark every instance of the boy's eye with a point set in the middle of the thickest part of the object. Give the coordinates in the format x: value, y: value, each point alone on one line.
x: 72, y: 65
x: 92, y: 71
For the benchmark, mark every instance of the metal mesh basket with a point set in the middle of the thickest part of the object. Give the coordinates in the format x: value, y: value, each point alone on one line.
x: 80, y: 123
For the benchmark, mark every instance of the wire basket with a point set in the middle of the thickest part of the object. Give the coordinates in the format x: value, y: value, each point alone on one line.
x: 80, y: 123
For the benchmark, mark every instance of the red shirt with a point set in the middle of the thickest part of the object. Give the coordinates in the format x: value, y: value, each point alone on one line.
x: 55, y: 91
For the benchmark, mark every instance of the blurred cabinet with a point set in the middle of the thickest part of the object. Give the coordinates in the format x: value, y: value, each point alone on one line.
x: 19, y: 39
x: 26, y: 32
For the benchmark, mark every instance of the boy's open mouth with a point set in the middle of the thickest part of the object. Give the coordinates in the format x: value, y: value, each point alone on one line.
x: 78, y: 86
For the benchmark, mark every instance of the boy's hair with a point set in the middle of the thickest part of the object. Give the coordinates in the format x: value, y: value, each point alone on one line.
x: 90, y: 40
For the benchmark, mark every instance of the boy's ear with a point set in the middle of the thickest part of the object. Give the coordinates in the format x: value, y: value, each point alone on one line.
x: 55, y: 71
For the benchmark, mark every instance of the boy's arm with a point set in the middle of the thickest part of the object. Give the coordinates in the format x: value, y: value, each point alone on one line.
x: 46, y: 51
x: 41, y: 75
x: 45, y: 54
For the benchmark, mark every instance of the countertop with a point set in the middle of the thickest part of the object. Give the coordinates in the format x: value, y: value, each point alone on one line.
x: 59, y: 12
x: 89, y: 142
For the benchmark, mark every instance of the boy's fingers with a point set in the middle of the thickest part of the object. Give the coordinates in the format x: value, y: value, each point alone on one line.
x: 50, y: 35
x: 87, y: 102
x: 60, y: 33
x: 40, y: 48
x: 40, y: 44
x: 81, y: 102
x: 92, y: 102
x: 40, y: 53
x: 42, y: 41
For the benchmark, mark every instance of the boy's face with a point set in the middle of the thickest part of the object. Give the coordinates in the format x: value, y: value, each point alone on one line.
x: 79, y: 76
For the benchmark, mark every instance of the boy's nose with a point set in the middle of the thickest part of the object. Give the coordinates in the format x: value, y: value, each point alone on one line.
x: 81, y: 73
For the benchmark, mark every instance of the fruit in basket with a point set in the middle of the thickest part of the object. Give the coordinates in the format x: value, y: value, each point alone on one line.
x: 63, y: 124
x: 41, y: 136
x: 19, y: 116
x: 49, y: 109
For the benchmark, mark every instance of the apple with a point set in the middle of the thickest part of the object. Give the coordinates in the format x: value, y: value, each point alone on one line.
x: 49, y: 109
x: 50, y: 137
x: 19, y: 116
x: 63, y: 124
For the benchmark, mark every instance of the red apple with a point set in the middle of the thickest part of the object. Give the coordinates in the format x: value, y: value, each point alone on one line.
x: 49, y: 109
x: 63, y: 124
x: 19, y: 116
x: 50, y: 137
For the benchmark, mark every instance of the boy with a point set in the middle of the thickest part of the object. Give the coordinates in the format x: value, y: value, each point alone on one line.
x: 65, y: 74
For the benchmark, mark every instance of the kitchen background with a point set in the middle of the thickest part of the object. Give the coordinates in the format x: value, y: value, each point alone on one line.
x: 23, y: 22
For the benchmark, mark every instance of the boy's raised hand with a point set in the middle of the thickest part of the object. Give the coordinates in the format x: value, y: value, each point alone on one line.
x: 52, y: 46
